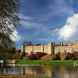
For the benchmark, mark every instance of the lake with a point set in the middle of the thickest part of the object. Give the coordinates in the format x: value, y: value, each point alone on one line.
x: 42, y: 71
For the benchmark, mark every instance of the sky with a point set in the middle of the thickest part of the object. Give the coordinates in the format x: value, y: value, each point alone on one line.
x: 43, y: 21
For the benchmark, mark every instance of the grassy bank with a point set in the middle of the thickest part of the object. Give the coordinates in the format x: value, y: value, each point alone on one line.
x: 49, y: 62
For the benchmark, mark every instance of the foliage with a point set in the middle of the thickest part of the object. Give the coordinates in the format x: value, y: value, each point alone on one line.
x: 72, y: 56
x: 57, y: 56
x: 8, y: 21
x: 37, y: 55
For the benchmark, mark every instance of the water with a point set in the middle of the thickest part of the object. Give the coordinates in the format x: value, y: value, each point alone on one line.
x: 46, y: 71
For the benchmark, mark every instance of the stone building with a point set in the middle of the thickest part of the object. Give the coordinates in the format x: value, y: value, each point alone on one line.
x: 44, y: 48
x: 63, y: 49
x: 51, y: 48
x: 69, y: 47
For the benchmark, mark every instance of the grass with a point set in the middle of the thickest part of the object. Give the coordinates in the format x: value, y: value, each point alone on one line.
x: 45, y: 62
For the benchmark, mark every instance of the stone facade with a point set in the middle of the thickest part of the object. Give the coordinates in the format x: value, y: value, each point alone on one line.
x: 66, y: 48
x: 50, y: 48
x: 44, y: 48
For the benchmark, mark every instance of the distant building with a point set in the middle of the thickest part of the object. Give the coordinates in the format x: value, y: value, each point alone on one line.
x: 50, y: 48
x: 44, y: 48
x: 62, y: 48
x: 69, y: 47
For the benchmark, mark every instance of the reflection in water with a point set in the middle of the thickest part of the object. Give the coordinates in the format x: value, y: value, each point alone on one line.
x: 71, y: 72
x: 58, y: 71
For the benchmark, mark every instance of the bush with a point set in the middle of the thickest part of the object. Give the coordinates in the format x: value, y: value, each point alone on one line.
x: 75, y: 55
x: 69, y: 56
x: 57, y: 56
x: 35, y: 56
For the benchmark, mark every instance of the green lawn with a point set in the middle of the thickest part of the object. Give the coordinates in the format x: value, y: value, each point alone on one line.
x: 44, y: 62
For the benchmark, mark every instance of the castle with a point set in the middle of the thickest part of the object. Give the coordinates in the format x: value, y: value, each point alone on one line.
x: 45, y: 48
x: 50, y: 48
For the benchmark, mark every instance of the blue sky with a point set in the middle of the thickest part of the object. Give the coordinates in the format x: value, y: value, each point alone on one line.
x: 42, y: 21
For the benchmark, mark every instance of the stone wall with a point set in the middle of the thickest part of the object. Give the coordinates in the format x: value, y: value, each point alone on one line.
x: 46, y: 48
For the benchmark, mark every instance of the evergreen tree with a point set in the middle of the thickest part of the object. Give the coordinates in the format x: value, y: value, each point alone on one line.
x: 8, y: 22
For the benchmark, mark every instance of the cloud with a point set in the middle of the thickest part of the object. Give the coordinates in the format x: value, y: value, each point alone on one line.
x: 47, y: 11
x: 40, y: 23
x: 70, y: 29
x: 15, y: 36
x: 27, y: 22
x: 58, y: 8
x: 24, y: 17
x: 33, y: 25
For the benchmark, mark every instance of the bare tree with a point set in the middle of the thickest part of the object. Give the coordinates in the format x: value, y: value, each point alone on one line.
x: 8, y: 21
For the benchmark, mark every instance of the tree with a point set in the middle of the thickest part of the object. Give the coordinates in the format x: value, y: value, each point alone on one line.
x: 8, y: 21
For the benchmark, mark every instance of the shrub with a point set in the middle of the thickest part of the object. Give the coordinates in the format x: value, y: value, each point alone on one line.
x: 35, y: 56
x: 57, y: 56
x: 69, y: 56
